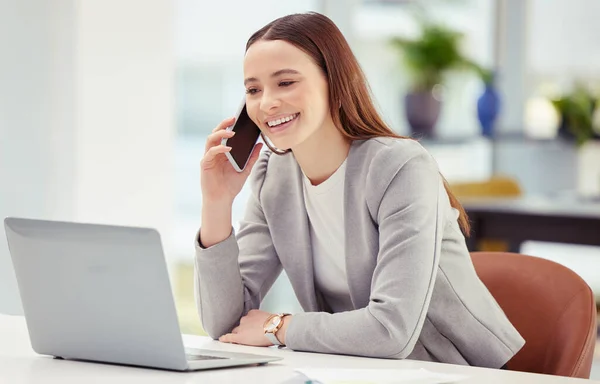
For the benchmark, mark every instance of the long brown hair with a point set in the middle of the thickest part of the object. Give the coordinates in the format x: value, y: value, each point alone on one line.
x: 357, y: 119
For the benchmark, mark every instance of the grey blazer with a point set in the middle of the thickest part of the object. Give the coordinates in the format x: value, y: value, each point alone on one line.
x: 412, y: 283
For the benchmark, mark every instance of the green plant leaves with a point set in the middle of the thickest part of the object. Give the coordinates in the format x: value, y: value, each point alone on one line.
x: 432, y: 55
x: 577, y: 110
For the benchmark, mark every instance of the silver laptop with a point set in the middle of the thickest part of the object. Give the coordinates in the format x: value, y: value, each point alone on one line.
x: 102, y: 293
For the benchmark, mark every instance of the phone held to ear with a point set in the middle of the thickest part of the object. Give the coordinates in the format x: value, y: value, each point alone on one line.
x: 244, y: 140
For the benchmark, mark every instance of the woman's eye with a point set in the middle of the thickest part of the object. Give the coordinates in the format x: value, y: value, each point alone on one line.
x: 286, y: 83
x: 251, y: 91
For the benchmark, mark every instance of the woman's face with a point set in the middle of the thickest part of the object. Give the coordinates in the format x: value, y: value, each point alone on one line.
x: 286, y: 92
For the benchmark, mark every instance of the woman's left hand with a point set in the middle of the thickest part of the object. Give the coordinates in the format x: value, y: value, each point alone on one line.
x: 251, y: 331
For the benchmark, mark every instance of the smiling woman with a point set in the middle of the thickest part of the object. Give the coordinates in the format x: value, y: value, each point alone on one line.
x: 282, y: 82
x: 372, y: 240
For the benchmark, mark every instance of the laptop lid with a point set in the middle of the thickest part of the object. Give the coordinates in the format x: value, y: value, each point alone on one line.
x: 96, y: 292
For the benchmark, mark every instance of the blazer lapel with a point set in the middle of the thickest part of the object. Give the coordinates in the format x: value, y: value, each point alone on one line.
x: 291, y: 234
x: 361, y: 236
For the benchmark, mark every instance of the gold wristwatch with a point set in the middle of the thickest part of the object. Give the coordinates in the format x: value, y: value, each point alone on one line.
x: 272, y: 325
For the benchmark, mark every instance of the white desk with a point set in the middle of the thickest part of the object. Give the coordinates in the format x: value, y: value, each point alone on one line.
x: 20, y: 365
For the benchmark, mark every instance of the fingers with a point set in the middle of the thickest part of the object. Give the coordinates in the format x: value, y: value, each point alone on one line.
x: 235, y: 330
x: 253, y: 158
x: 229, y: 338
x: 213, y: 152
x: 215, y: 138
x: 224, y: 124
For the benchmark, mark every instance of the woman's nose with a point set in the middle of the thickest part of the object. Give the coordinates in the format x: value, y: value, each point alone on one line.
x: 269, y: 102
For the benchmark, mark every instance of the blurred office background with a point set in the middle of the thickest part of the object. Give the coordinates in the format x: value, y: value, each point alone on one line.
x: 105, y: 106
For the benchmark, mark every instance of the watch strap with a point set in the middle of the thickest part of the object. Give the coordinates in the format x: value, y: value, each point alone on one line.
x: 272, y: 338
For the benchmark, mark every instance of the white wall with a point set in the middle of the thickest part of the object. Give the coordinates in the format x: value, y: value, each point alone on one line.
x: 34, y: 119
x: 563, y: 38
x: 218, y: 31
x: 125, y: 119
x: 86, y: 115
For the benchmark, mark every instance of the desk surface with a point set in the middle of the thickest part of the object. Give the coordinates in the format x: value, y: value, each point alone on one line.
x: 559, y: 219
x: 536, y: 205
x: 19, y: 364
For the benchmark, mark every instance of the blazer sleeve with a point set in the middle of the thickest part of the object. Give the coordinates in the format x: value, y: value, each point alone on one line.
x: 405, y: 198
x: 233, y: 276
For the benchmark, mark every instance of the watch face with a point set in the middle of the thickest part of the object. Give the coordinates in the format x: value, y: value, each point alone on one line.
x: 273, y: 324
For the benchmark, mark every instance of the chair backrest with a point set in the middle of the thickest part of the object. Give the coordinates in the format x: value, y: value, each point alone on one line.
x: 550, y: 305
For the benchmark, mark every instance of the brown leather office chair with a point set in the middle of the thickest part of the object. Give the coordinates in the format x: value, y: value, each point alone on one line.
x: 550, y: 305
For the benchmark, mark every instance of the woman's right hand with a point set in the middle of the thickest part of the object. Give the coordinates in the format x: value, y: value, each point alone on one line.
x: 219, y: 181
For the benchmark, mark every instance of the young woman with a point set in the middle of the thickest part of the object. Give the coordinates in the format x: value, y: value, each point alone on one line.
x: 360, y: 219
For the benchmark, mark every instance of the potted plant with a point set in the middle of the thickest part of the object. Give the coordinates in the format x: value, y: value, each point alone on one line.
x: 429, y: 58
x: 579, y: 115
x: 576, y: 111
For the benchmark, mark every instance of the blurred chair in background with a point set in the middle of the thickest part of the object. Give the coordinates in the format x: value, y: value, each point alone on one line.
x: 550, y: 305
x: 497, y: 186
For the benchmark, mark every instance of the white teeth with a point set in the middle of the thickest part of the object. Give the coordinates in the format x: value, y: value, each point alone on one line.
x: 282, y: 120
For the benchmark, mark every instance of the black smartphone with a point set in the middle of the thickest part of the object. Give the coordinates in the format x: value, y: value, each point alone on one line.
x: 244, y: 140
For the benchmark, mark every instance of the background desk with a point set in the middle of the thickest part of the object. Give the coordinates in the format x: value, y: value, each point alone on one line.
x: 20, y: 365
x: 560, y: 220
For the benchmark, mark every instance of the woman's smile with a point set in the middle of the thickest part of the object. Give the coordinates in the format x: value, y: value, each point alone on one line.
x: 280, y: 125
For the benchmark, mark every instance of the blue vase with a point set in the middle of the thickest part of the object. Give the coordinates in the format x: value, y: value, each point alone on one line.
x: 488, y: 107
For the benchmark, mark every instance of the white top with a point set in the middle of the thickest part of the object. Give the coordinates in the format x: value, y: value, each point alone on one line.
x: 325, y: 207
x: 19, y: 364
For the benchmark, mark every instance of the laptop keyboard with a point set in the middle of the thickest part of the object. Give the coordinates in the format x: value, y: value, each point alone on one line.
x: 190, y: 357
